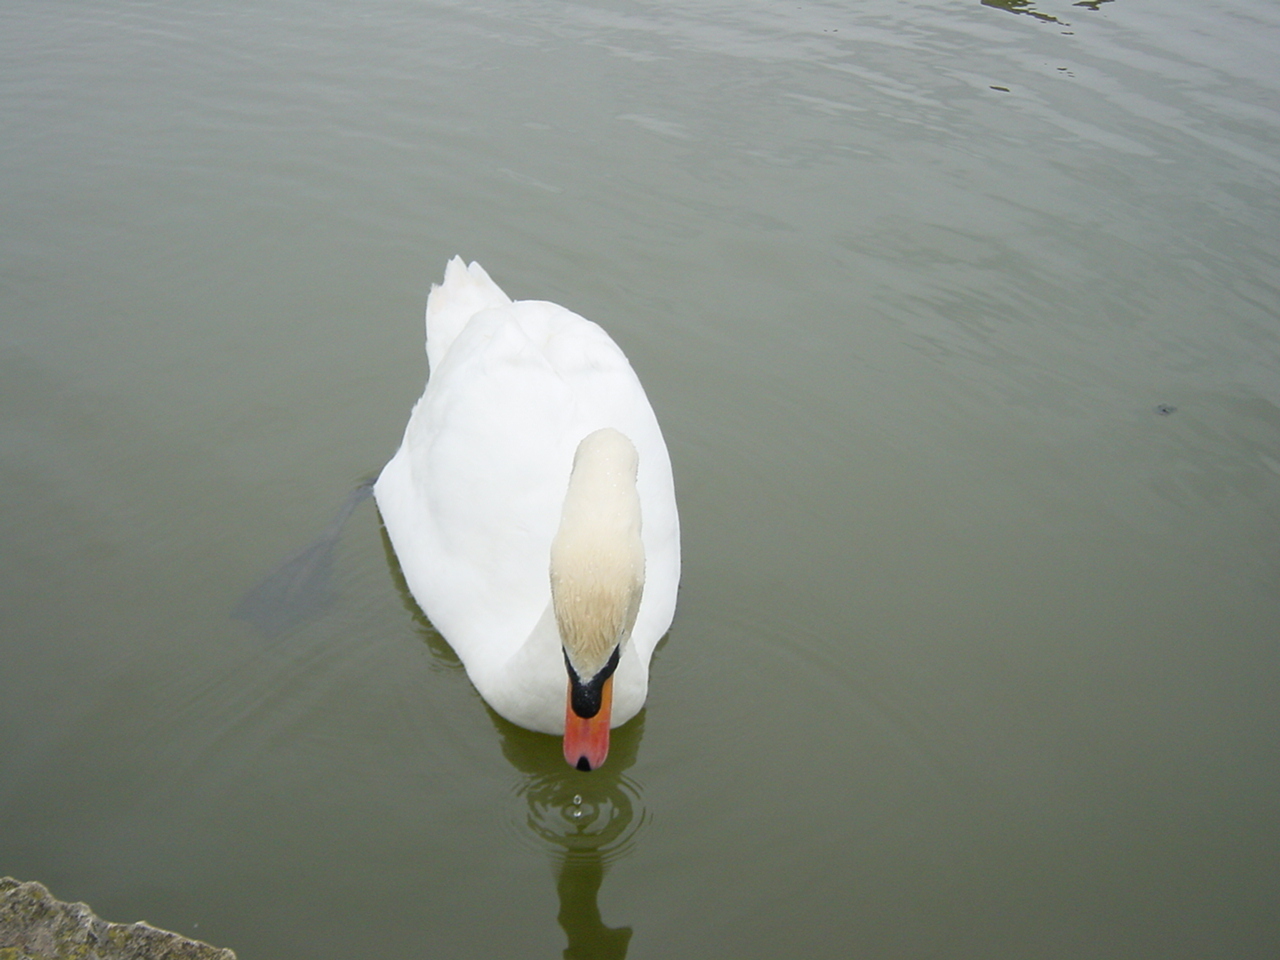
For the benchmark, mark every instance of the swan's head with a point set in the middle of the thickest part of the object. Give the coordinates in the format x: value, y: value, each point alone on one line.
x: 597, y: 577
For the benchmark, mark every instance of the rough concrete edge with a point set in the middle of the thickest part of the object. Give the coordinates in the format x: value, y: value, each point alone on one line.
x: 35, y: 926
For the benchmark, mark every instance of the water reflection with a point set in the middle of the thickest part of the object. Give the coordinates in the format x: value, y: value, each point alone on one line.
x: 1026, y: 8
x: 585, y: 820
x: 1023, y: 7
x: 300, y: 588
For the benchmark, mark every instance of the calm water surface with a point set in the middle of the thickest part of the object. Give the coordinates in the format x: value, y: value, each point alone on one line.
x: 963, y: 323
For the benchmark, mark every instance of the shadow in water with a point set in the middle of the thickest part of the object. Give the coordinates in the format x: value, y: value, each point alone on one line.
x: 585, y: 820
x: 1027, y: 8
x: 300, y: 588
x: 1023, y: 7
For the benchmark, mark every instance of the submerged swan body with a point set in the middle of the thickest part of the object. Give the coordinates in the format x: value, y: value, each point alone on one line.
x: 532, y: 509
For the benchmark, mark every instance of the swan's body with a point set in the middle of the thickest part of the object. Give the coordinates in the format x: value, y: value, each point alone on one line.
x: 480, y: 489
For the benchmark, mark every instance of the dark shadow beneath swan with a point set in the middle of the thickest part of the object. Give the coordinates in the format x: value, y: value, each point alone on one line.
x: 585, y: 821
x: 578, y: 886
x: 300, y: 588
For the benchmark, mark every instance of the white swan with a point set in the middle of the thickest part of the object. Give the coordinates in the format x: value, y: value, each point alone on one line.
x: 533, y: 512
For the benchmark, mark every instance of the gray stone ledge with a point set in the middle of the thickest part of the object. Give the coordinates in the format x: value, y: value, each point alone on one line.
x: 35, y: 926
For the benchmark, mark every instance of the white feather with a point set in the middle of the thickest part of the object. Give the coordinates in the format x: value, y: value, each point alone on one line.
x: 474, y: 496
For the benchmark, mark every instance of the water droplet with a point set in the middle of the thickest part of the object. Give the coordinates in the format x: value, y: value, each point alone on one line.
x: 577, y: 799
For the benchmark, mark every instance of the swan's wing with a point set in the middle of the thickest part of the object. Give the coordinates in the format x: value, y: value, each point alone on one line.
x: 473, y: 497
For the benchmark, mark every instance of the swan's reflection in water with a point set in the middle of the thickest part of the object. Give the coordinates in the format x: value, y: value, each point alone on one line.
x: 585, y: 820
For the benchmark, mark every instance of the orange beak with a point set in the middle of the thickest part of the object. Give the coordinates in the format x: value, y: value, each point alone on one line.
x: 586, y: 741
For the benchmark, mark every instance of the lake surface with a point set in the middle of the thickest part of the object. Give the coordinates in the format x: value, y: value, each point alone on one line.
x: 962, y: 320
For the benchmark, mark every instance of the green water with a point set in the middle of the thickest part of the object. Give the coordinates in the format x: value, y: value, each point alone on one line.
x: 962, y: 323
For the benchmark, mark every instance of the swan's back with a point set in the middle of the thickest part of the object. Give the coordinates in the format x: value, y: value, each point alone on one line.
x: 473, y: 497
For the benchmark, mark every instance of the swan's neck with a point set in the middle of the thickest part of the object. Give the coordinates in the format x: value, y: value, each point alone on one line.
x: 597, y: 557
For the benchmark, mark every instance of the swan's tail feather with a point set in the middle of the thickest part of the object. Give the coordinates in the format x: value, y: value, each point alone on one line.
x: 466, y: 291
